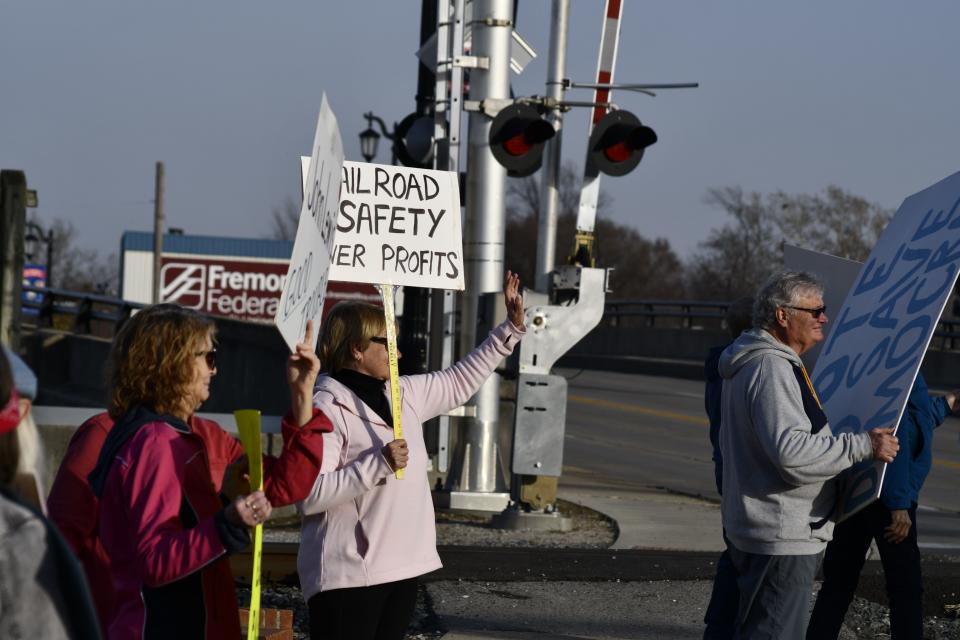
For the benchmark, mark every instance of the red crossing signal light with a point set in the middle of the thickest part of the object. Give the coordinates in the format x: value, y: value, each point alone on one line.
x: 517, y: 136
x: 617, y: 143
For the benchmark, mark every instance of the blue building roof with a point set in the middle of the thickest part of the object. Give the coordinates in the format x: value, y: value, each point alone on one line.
x: 209, y: 245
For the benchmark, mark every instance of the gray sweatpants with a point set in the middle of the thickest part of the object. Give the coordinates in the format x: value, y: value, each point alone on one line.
x: 775, y: 593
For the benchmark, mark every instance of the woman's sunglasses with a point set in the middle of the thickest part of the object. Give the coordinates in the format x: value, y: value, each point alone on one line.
x: 209, y: 356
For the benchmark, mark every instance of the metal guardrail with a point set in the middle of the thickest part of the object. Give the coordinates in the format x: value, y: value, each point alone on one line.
x: 710, y: 314
x: 689, y: 313
x: 110, y: 312
x: 85, y: 312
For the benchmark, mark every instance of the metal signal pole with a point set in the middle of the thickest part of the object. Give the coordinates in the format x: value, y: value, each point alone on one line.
x: 480, y: 479
x: 547, y: 223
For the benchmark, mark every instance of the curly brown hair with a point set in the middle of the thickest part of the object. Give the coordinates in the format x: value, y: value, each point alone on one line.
x: 349, y: 323
x: 151, y: 362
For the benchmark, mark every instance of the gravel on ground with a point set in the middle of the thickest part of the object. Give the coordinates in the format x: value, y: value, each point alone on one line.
x: 865, y: 620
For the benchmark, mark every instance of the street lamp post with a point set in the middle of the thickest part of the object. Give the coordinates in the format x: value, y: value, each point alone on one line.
x: 370, y: 139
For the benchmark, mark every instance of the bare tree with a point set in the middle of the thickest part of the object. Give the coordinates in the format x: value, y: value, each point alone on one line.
x: 837, y: 222
x: 736, y: 258
x: 642, y: 268
x: 78, y: 269
x: 286, y: 217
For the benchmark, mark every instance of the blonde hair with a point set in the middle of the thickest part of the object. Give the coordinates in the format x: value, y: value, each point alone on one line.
x: 152, y: 359
x: 349, y: 324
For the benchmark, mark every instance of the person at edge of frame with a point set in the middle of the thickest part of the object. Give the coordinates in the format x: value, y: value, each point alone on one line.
x: 43, y: 593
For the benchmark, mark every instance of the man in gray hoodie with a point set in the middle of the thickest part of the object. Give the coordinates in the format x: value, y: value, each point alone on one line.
x: 780, y: 457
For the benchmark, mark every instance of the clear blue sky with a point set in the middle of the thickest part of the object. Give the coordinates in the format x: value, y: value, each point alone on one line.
x: 794, y: 96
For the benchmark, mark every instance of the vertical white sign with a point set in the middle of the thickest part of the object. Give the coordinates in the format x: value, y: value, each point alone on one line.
x: 878, y: 339
x: 306, y: 284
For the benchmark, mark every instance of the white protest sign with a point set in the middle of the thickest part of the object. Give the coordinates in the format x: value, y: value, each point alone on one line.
x: 838, y: 276
x: 876, y: 345
x: 398, y: 226
x: 306, y: 283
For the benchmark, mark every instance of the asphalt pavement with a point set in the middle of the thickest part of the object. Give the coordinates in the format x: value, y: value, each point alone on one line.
x: 637, y: 451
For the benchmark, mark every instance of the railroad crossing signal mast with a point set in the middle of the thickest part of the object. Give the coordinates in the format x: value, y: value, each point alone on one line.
x: 514, y: 137
x: 570, y: 300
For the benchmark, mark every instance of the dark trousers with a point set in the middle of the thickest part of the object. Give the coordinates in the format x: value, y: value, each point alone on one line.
x: 774, y: 594
x: 841, y: 573
x: 380, y: 612
x: 721, y: 616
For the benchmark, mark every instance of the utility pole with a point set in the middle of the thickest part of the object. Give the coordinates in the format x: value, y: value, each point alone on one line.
x: 547, y: 222
x: 479, y: 478
x: 13, y: 207
x: 157, y: 231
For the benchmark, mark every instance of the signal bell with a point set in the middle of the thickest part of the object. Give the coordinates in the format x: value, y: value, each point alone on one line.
x: 617, y: 143
x: 517, y: 136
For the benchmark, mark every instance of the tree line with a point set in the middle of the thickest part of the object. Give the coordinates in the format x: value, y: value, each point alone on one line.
x: 731, y: 262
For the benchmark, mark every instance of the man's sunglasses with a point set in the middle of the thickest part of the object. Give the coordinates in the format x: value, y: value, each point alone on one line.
x: 209, y: 356
x: 816, y: 313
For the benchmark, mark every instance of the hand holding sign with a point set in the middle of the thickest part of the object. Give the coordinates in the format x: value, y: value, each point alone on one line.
x: 303, y: 366
x: 250, y: 511
x: 396, y: 454
x: 885, y: 444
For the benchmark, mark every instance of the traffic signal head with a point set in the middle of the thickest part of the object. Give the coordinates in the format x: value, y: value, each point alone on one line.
x: 617, y: 143
x: 517, y: 136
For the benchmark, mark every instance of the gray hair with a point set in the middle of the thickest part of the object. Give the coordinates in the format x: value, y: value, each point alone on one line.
x: 782, y: 290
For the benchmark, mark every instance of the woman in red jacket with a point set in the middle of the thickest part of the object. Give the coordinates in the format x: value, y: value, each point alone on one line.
x: 162, y: 523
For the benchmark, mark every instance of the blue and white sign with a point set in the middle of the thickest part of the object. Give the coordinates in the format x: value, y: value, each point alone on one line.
x: 878, y: 338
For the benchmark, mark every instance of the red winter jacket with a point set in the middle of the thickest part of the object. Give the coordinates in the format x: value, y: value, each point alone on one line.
x: 75, y: 509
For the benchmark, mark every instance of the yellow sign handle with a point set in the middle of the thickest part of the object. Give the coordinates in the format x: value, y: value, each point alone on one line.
x: 248, y: 424
x: 386, y: 290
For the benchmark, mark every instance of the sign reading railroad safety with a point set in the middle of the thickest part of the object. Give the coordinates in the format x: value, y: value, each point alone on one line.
x: 306, y: 283
x: 398, y: 226
x: 877, y: 340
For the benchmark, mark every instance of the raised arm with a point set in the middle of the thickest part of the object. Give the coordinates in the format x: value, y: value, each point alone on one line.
x: 303, y: 367
x: 432, y: 394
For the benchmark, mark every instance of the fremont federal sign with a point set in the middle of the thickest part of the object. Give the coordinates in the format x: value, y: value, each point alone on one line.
x: 236, y: 278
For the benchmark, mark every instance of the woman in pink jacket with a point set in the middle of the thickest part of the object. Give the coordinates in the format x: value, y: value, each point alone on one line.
x: 366, y: 535
x: 163, y: 524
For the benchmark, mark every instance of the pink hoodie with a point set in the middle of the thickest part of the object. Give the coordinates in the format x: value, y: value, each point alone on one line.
x: 362, y: 526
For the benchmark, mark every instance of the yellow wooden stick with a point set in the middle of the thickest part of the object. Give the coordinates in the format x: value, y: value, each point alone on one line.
x: 390, y: 317
x: 248, y: 425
